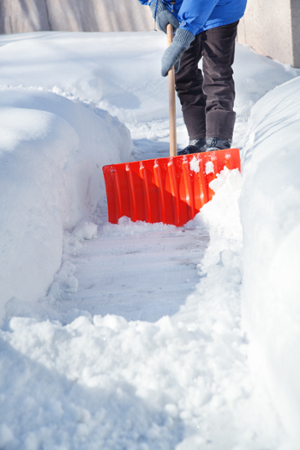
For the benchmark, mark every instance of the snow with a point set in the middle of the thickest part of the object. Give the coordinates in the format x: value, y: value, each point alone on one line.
x: 142, y: 336
x: 209, y: 167
x: 52, y: 151
x: 85, y: 230
x: 271, y: 289
x: 194, y: 165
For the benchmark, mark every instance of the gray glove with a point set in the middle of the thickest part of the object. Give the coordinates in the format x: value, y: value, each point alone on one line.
x: 174, y: 52
x: 163, y: 16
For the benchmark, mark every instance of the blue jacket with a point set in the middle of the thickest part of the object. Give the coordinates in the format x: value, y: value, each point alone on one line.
x: 201, y: 15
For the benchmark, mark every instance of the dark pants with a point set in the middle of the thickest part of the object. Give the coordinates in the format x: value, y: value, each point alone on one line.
x: 207, y: 99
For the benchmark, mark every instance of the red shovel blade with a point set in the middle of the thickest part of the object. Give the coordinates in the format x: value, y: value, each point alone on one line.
x: 170, y: 190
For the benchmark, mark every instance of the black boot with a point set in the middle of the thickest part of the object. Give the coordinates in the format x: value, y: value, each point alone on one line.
x: 215, y: 143
x: 195, y: 146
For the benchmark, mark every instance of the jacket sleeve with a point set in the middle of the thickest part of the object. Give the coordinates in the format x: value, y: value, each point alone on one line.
x: 194, y: 14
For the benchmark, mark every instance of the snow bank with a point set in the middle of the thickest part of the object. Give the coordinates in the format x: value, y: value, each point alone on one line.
x: 270, y: 212
x: 51, y: 153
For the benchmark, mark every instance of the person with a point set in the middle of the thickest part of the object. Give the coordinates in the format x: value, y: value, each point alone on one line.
x: 204, y: 29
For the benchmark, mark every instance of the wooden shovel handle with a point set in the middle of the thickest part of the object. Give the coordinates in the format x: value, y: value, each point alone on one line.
x: 172, y: 100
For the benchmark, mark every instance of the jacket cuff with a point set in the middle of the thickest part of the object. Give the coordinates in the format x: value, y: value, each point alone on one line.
x: 184, y: 37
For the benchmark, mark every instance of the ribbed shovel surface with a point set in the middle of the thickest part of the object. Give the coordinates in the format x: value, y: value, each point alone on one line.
x: 169, y: 190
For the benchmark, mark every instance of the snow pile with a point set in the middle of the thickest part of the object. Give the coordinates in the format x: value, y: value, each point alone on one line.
x: 270, y: 211
x: 51, y: 153
x: 223, y: 214
x: 85, y: 230
x: 179, y: 383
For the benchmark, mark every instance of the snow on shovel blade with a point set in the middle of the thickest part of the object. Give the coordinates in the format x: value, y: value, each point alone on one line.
x: 170, y: 190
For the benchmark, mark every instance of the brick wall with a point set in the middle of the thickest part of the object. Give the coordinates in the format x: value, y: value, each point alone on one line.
x: 21, y: 16
x: 272, y: 28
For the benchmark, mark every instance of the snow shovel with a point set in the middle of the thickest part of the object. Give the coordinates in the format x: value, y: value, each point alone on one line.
x: 169, y: 190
